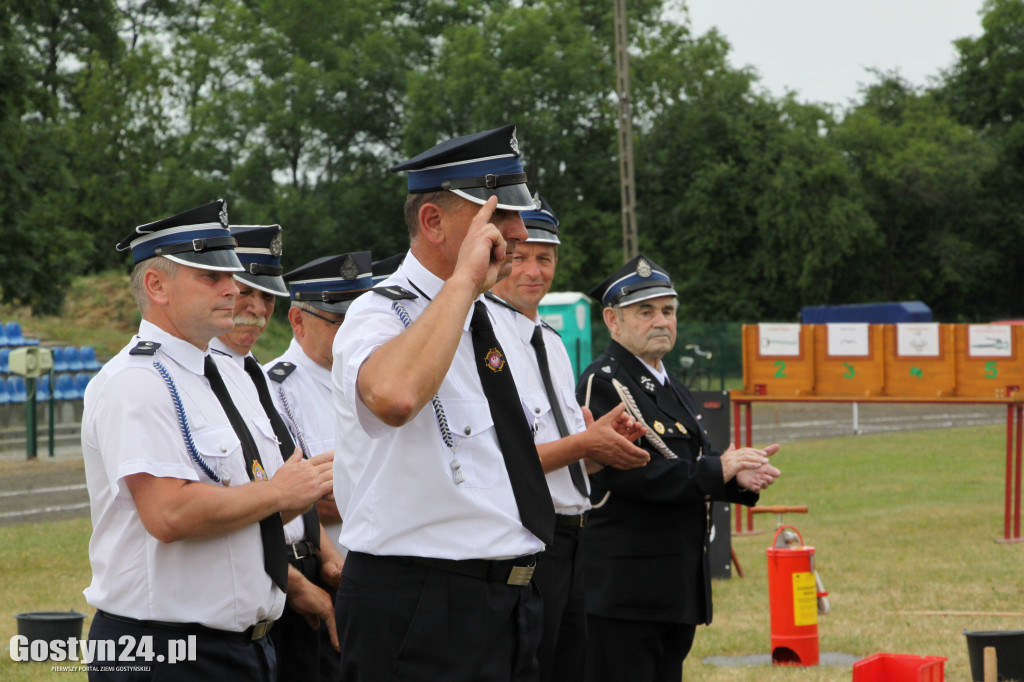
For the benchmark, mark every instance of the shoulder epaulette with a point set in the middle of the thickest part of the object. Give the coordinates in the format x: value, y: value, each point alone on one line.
x: 605, y: 367
x: 144, y: 348
x: 502, y: 302
x: 394, y: 292
x: 220, y: 352
x: 548, y: 326
x: 280, y: 371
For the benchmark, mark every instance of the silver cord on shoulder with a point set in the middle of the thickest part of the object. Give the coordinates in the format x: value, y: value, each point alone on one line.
x: 186, y: 433
x: 435, y: 402
x: 295, y: 424
x: 634, y: 411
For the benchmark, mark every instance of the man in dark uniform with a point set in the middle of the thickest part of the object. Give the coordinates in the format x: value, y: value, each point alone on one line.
x: 647, y: 576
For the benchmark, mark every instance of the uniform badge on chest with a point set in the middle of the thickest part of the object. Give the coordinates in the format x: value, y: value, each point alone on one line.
x: 647, y: 383
x: 495, y: 360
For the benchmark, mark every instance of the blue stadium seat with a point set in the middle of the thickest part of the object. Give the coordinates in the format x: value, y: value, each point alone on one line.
x: 65, y: 387
x: 3, y: 335
x: 59, y: 363
x: 16, y: 387
x: 43, y: 388
x: 5, y: 353
x: 5, y: 396
x: 73, y: 359
x: 81, y: 381
x: 89, y: 361
x: 14, y: 337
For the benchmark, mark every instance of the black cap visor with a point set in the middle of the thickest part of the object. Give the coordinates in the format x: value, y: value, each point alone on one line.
x: 510, y: 197
x: 215, y: 259
x: 541, y: 236
x: 644, y: 294
x: 268, y: 283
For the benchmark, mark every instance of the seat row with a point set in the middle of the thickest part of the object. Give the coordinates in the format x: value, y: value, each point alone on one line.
x: 67, y: 386
x: 10, y: 335
x: 65, y: 359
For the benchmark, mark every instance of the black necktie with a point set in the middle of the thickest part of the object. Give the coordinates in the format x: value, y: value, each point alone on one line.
x: 310, y: 520
x: 271, y: 528
x: 514, y: 437
x: 576, y: 468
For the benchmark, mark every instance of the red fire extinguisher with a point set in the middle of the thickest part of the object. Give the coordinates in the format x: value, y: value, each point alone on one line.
x: 796, y: 597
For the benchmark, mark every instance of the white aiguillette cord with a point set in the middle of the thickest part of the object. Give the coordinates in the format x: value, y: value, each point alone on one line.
x: 442, y: 420
x: 634, y: 411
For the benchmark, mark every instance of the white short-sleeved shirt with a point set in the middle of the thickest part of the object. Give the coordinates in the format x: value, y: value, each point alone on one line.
x: 398, y: 482
x: 566, y: 498
x: 295, y: 529
x: 130, y: 425
x: 308, y: 392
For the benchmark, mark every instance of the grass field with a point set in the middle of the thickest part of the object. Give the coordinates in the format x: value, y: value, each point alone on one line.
x: 901, y: 523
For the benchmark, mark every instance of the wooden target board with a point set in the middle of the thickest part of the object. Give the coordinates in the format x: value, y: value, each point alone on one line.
x: 990, y: 363
x: 907, y: 360
x: 848, y: 359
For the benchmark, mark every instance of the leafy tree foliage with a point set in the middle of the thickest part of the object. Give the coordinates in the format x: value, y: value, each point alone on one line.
x: 118, y: 112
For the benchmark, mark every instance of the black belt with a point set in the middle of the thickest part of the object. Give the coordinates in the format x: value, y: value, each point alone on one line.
x: 257, y: 631
x: 300, y: 549
x: 518, y: 571
x: 570, y: 521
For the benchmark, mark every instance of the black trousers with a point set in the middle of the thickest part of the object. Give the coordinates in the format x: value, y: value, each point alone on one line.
x: 559, y: 577
x: 636, y: 650
x: 217, y: 657
x: 402, y: 620
x: 305, y: 654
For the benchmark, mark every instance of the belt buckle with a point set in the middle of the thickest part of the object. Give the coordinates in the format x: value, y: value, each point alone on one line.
x: 295, y: 550
x: 520, y: 575
x: 583, y: 519
x: 261, y: 629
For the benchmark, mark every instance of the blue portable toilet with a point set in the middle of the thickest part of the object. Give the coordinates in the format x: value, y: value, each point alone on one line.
x: 872, y: 313
x: 568, y: 313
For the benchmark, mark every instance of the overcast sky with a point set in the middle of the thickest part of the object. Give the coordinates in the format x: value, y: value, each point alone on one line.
x: 821, y: 48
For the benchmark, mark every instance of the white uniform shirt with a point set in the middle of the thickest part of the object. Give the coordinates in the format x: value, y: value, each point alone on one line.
x: 308, y: 392
x: 295, y: 529
x: 130, y: 425
x: 403, y: 498
x: 566, y: 498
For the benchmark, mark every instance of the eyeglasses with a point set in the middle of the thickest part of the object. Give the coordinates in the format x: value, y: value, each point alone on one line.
x: 325, y: 319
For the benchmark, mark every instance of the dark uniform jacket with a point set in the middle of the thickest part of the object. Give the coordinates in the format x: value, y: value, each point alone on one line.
x: 645, y: 549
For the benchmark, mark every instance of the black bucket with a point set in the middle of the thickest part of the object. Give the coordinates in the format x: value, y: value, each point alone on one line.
x: 50, y: 625
x: 1009, y: 646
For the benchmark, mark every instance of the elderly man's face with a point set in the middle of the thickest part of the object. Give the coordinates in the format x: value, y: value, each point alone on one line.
x: 253, y: 309
x: 646, y: 329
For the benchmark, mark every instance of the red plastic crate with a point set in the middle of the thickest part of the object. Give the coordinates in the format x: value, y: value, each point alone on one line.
x: 899, y: 668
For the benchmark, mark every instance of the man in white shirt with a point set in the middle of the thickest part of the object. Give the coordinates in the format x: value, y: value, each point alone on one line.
x: 306, y: 652
x: 450, y: 507
x: 187, y: 487
x: 563, y: 442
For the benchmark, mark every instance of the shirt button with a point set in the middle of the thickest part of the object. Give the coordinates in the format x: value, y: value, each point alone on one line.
x: 223, y: 448
x: 468, y: 431
x: 536, y: 410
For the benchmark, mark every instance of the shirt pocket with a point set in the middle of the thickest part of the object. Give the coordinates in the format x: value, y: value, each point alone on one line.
x: 220, y: 447
x: 476, y: 442
x: 537, y: 408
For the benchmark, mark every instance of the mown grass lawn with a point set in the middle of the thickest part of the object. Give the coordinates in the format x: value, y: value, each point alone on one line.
x: 901, y: 523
